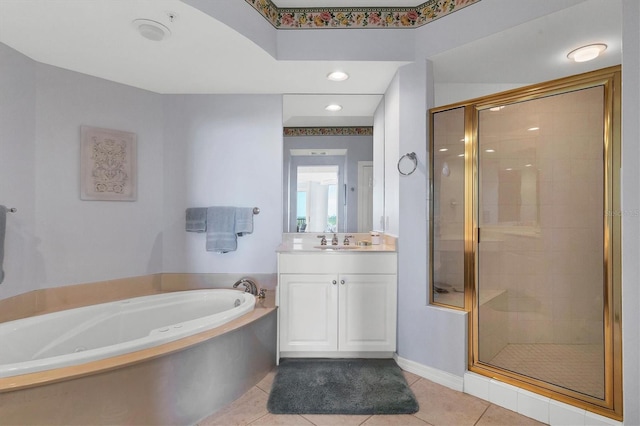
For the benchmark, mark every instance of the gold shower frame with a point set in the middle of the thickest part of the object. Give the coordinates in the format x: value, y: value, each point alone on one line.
x: 610, y: 80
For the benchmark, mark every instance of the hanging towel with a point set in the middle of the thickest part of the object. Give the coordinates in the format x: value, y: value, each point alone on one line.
x: 3, y: 227
x: 244, y: 220
x: 196, y: 219
x: 221, y: 235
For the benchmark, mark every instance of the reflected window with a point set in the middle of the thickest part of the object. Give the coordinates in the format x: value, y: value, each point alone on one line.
x: 317, y: 198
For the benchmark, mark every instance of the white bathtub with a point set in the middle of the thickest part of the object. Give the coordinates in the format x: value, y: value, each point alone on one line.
x: 91, y: 333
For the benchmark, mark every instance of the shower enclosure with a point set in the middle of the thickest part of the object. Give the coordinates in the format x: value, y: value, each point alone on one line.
x: 526, y: 235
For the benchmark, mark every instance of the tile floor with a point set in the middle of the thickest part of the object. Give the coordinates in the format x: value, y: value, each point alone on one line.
x: 439, y: 405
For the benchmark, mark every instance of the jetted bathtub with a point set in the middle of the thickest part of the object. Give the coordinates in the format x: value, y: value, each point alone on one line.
x: 96, y: 332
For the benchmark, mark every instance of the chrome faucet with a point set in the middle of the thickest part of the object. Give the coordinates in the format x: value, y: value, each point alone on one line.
x: 334, y: 240
x: 249, y: 285
x: 346, y: 239
x: 323, y: 241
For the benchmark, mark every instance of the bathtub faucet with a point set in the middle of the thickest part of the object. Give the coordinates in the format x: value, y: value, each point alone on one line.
x: 249, y: 286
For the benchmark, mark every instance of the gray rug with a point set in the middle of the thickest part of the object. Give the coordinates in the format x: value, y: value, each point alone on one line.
x: 340, y: 386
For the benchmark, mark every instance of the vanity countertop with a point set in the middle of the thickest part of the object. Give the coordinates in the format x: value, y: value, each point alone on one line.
x: 299, y: 243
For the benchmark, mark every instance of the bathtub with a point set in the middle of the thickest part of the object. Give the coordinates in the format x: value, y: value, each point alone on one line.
x: 101, y: 331
x: 166, y: 358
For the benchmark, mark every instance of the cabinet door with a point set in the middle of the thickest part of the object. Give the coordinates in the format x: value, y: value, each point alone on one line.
x: 308, y: 312
x: 367, y: 319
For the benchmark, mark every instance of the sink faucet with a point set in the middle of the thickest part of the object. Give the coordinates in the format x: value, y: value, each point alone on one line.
x: 249, y: 285
x: 323, y: 241
x: 346, y: 239
x: 334, y: 240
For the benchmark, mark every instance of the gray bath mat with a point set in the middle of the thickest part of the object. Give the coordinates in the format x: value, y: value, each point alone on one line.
x: 340, y: 386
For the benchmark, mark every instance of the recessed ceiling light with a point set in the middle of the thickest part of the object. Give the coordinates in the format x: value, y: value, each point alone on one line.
x: 496, y: 109
x: 151, y: 30
x: 489, y: 150
x: 333, y: 107
x: 443, y: 149
x: 338, y: 76
x: 587, y: 53
x: 460, y: 155
x: 531, y: 129
x: 528, y: 165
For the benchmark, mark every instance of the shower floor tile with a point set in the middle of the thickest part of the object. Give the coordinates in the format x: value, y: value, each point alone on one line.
x: 576, y: 367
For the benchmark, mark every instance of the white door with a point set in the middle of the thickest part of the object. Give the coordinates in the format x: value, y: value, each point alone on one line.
x: 367, y: 312
x: 308, y: 312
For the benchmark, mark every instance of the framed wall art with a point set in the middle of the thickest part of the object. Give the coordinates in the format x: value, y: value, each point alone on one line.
x: 108, y: 166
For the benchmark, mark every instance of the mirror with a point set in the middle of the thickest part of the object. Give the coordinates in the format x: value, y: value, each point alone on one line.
x: 315, y: 141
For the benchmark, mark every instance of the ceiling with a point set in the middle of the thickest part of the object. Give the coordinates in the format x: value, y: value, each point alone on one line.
x: 97, y: 38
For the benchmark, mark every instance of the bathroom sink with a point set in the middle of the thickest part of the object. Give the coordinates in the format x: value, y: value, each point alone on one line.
x: 328, y: 247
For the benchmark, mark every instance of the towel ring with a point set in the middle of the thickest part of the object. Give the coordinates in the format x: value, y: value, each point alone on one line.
x: 412, y: 157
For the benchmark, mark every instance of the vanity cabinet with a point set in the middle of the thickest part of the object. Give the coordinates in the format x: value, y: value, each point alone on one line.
x: 337, y: 304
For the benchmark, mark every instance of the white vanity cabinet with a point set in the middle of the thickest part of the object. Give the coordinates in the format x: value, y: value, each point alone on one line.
x: 337, y: 304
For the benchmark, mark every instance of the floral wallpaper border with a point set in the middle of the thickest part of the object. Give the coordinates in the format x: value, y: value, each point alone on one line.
x: 363, y: 17
x: 328, y: 131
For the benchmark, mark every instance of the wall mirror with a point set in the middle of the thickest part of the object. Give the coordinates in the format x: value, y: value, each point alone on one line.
x: 328, y: 173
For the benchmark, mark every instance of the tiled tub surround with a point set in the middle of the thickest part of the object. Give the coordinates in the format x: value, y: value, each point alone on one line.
x: 178, y: 382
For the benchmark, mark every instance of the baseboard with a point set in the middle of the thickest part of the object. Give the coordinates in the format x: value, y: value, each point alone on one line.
x: 438, y: 376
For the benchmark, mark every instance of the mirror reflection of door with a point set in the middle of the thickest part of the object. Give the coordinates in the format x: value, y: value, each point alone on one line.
x: 365, y: 196
x: 317, y: 199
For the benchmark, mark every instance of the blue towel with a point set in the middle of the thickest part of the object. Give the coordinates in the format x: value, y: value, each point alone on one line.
x: 3, y: 227
x: 244, y: 220
x: 196, y: 219
x: 221, y: 234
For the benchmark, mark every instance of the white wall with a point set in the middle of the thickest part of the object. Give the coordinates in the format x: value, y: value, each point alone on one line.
x: 192, y: 150
x: 222, y: 150
x: 17, y: 169
x: 55, y: 238
x: 84, y: 241
x: 631, y: 203
x: 431, y: 336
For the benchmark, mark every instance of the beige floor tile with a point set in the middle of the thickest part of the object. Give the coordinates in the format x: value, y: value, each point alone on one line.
x: 495, y: 416
x: 281, y: 419
x: 249, y: 407
x: 394, y: 420
x: 336, y: 420
x: 410, y: 377
x: 440, y: 405
x: 265, y: 384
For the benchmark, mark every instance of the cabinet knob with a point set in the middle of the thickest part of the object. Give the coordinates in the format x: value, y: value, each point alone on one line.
x: 342, y: 282
x: 334, y: 282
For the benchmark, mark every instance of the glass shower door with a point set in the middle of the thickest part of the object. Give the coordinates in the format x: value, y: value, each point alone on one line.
x: 541, y: 239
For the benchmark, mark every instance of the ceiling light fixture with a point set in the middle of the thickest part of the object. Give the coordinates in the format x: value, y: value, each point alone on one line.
x: 444, y: 149
x: 531, y: 129
x: 338, y: 76
x: 587, y: 53
x: 333, y: 107
x: 151, y: 30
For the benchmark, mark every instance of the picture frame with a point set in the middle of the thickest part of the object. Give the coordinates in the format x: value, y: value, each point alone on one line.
x: 108, y: 164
